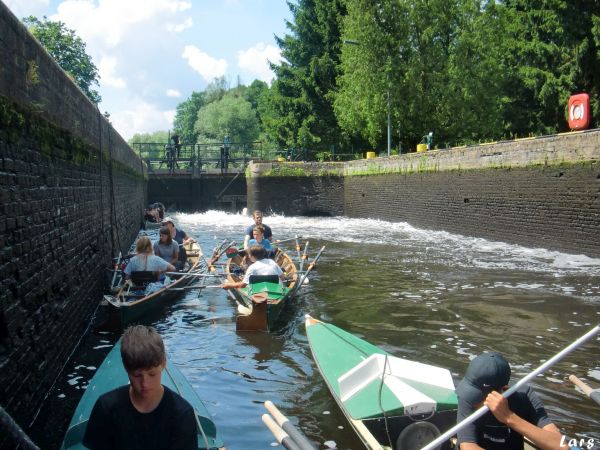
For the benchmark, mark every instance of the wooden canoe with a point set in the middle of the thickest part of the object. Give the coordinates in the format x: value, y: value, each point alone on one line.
x: 392, y: 403
x: 261, y: 303
x: 111, y: 375
x: 128, y: 306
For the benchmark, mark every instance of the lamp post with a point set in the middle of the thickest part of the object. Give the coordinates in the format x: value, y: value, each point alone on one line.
x: 389, y: 121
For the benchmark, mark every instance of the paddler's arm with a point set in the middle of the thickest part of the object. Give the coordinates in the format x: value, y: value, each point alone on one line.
x: 233, y: 285
x: 546, y: 438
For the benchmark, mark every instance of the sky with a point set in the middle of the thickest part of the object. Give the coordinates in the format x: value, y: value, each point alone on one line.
x: 152, y: 54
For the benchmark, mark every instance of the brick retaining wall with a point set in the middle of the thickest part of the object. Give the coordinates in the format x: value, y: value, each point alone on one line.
x: 542, y: 192
x: 554, y: 207
x: 72, y: 193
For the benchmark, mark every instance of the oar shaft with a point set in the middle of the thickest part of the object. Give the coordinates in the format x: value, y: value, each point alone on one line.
x: 303, y: 256
x: 310, y: 267
x: 481, y: 411
x: 594, y: 394
x: 282, y: 437
x: 191, y: 274
x: 580, y: 384
x: 288, y: 427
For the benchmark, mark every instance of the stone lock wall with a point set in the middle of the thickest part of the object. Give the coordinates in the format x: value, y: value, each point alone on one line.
x: 553, y: 207
x: 542, y: 192
x: 72, y: 193
x: 303, y: 189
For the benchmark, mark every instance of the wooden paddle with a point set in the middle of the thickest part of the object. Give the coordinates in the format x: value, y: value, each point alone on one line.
x: 594, y: 394
x: 310, y: 267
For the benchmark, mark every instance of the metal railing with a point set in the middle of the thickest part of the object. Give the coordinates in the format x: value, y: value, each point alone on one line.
x: 171, y: 158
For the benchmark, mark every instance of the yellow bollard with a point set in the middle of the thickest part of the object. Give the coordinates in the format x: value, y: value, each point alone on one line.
x: 370, y: 155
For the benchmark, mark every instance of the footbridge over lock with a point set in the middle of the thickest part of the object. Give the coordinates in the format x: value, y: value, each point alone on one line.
x: 199, y: 177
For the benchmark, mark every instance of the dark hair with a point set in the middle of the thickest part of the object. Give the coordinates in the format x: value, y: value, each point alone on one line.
x: 257, y: 213
x: 161, y: 209
x: 258, y: 252
x: 166, y: 232
x: 141, y: 348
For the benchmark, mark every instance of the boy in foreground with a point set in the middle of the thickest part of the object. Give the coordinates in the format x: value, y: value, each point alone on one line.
x: 144, y: 414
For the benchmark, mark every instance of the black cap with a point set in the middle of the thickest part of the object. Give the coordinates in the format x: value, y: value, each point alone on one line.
x: 487, y: 372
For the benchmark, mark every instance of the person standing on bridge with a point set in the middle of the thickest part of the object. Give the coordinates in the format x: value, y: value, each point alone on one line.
x: 258, y: 221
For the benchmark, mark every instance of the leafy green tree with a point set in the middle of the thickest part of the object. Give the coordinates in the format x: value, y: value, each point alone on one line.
x: 186, y: 115
x: 158, y: 137
x: 553, y: 54
x: 298, y: 109
x: 68, y: 50
x: 231, y: 116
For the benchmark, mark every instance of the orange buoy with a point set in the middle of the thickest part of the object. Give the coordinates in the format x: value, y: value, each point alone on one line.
x: 579, y: 111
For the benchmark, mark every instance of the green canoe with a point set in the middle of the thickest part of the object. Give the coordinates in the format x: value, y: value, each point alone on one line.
x: 261, y: 302
x: 111, y: 375
x: 128, y: 305
x: 392, y: 403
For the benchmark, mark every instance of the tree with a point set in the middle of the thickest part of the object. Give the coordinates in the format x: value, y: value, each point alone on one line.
x: 553, y: 53
x: 298, y: 109
x: 231, y: 116
x: 186, y: 115
x: 68, y: 50
x: 158, y: 137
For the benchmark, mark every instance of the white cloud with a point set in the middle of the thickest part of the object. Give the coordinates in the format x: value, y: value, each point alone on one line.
x: 141, y: 117
x: 179, y: 27
x: 256, y: 60
x: 173, y: 93
x: 22, y: 8
x: 109, y: 20
x: 207, y: 66
x: 107, y: 69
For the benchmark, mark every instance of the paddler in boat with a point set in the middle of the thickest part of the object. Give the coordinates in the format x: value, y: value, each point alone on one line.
x: 146, y: 260
x: 160, y: 210
x: 179, y: 236
x: 258, y: 233
x: 261, y: 265
x: 258, y: 218
x: 167, y: 248
x: 151, y: 214
x: 509, y: 420
x: 144, y: 413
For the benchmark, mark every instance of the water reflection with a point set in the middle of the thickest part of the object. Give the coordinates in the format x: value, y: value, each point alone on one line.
x: 429, y: 296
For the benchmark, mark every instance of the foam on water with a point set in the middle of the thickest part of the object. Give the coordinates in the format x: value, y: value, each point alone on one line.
x: 432, y: 246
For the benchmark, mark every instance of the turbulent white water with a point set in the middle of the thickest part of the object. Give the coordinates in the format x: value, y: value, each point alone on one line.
x: 433, y: 246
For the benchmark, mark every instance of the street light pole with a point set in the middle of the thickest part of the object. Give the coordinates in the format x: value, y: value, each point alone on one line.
x: 389, y: 123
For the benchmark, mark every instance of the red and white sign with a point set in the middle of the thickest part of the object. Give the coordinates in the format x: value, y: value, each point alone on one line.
x: 579, y: 111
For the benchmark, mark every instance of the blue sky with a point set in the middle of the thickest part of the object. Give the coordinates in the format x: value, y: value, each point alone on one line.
x: 152, y: 54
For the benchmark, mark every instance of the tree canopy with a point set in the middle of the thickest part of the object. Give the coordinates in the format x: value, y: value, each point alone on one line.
x: 466, y: 70
x: 68, y: 50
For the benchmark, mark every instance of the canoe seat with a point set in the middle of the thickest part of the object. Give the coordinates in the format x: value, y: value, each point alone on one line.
x: 143, y: 277
x: 263, y: 279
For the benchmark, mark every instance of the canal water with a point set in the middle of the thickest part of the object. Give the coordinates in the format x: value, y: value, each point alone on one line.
x: 429, y: 296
